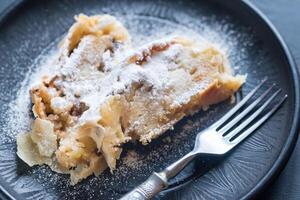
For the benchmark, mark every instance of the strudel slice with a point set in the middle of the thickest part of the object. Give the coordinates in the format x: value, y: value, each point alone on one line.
x: 103, y: 92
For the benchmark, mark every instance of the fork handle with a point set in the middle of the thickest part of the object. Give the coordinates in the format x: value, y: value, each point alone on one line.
x: 153, y: 185
x: 158, y: 181
x: 173, y: 169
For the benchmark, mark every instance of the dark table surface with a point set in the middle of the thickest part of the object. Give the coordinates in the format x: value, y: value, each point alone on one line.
x: 285, y: 15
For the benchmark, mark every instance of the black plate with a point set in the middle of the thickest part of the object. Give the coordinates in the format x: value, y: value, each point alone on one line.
x: 28, y: 28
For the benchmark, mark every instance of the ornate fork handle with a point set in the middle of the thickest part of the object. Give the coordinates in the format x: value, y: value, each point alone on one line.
x: 153, y: 185
x: 158, y: 181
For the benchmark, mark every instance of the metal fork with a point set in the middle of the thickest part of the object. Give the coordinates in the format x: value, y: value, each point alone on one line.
x: 218, y: 139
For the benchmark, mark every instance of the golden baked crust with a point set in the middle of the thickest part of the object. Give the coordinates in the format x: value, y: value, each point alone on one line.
x: 105, y: 93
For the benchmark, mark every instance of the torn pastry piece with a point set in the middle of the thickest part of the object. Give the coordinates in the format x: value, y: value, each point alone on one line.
x: 39, y: 145
x: 58, y: 106
x: 105, y: 93
x: 98, y: 26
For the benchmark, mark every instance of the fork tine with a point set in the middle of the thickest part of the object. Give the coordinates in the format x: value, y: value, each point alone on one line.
x: 259, y: 122
x: 245, y: 112
x: 238, y: 106
x: 252, y: 117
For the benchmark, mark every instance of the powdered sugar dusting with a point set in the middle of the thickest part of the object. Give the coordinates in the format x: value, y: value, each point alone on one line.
x: 19, y: 114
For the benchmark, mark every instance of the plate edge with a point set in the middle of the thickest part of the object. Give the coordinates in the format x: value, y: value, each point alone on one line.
x: 289, y: 145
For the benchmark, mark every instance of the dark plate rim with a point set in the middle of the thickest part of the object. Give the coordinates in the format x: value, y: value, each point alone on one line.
x: 289, y: 145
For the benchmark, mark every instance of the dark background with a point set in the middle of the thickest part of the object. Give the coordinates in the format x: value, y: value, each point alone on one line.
x: 285, y: 15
